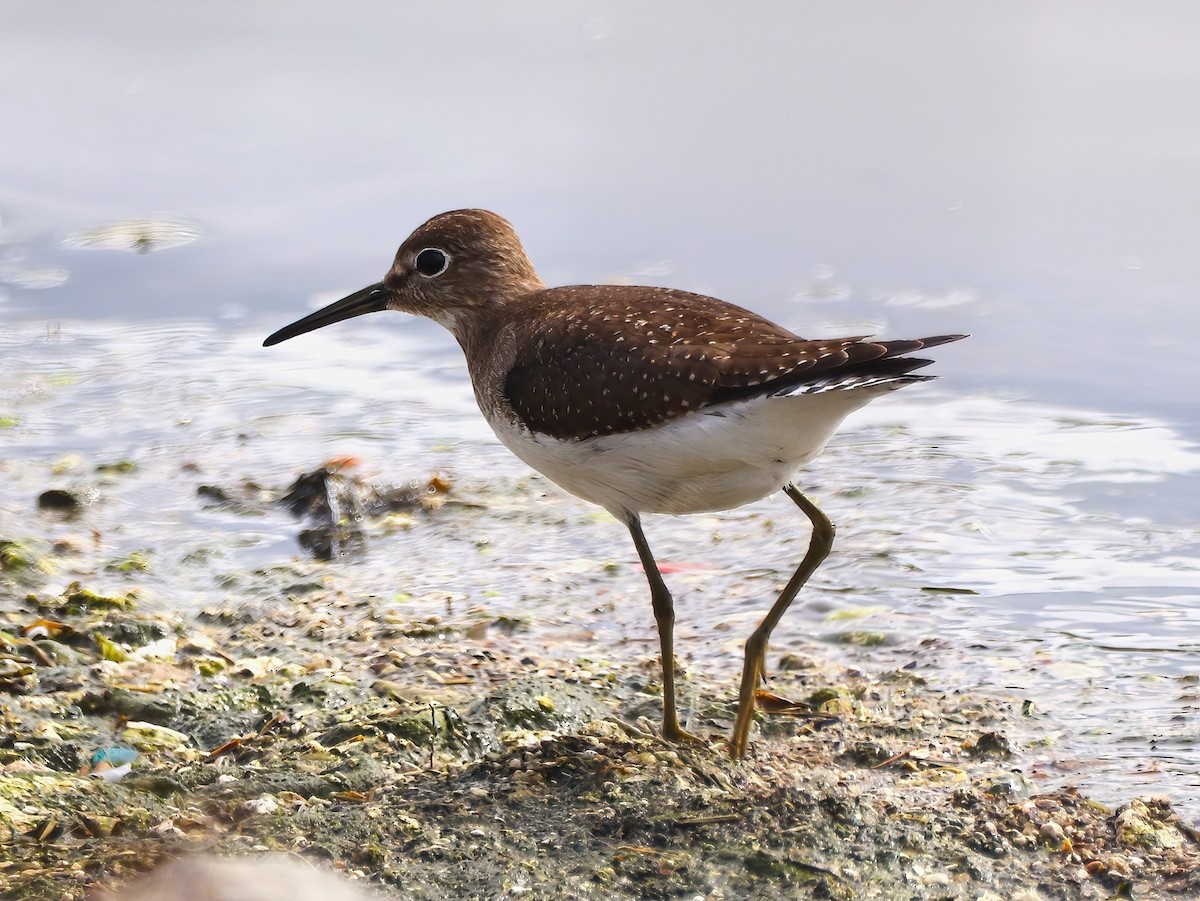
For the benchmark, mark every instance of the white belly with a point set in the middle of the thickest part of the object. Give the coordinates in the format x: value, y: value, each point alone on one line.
x: 712, y: 459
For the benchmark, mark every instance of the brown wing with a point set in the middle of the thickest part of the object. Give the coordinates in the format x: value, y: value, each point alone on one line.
x: 607, y: 359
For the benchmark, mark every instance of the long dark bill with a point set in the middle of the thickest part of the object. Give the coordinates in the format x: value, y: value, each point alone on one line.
x: 371, y: 299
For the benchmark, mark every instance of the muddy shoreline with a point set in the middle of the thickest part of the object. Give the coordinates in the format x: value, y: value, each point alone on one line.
x: 444, y: 758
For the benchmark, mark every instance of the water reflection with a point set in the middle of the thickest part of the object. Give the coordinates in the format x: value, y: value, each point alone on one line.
x: 138, y: 235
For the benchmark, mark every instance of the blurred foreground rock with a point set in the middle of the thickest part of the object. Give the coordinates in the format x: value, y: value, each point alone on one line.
x: 267, y: 878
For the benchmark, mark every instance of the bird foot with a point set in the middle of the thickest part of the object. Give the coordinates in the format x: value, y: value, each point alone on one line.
x: 679, y: 736
x: 736, y: 748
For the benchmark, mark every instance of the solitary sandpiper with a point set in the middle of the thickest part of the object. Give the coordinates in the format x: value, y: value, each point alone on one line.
x: 641, y: 400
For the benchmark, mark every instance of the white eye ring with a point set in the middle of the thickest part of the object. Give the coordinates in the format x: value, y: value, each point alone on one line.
x: 431, y: 262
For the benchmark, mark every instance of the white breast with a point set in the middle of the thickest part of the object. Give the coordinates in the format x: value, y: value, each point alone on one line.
x: 711, y: 459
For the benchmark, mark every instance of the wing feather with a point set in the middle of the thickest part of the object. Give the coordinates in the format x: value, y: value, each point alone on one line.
x: 611, y: 359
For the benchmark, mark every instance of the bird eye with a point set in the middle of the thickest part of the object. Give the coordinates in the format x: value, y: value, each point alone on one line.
x: 431, y: 262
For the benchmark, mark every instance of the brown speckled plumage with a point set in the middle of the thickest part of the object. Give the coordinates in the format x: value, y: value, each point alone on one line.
x: 609, y: 359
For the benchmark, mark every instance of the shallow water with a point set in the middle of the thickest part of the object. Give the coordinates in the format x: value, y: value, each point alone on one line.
x: 1080, y: 603
x: 1025, y: 175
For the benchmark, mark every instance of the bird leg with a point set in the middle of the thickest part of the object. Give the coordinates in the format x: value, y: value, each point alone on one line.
x: 664, y: 615
x: 756, y: 646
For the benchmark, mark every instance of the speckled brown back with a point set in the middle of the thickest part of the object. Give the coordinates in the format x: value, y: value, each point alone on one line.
x: 607, y: 359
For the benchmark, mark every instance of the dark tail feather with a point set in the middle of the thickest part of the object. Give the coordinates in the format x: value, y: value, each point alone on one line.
x: 906, y: 347
x: 861, y: 365
x: 893, y: 361
x: 892, y: 365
